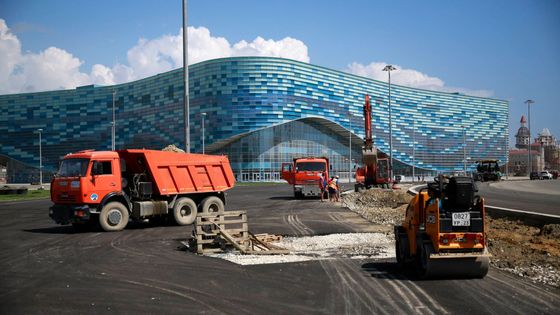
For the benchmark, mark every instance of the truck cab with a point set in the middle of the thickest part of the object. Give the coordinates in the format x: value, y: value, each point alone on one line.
x: 84, y: 180
x: 304, y: 175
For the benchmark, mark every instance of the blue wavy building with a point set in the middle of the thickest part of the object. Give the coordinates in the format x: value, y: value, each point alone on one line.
x: 260, y: 111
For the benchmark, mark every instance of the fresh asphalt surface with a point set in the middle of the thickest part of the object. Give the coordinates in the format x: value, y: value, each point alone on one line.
x: 542, y: 196
x: 49, y: 269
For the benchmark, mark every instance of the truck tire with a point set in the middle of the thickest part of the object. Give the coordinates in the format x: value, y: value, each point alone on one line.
x: 184, y: 211
x: 113, y: 217
x: 212, y: 204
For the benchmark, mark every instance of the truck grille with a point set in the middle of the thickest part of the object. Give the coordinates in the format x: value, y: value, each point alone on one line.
x: 67, y: 198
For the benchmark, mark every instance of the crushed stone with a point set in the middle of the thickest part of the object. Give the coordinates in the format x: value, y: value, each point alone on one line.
x: 346, y: 245
x: 380, y: 206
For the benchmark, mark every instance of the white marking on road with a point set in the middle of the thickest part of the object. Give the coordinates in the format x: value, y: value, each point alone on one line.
x: 525, y: 212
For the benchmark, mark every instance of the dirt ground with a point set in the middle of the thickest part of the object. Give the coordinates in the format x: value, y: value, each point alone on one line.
x: 526, y: 251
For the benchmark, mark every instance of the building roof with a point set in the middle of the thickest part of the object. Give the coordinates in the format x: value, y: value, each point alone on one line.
x: 523, y: 120
x: 522, y: 132
x: 545, y: 133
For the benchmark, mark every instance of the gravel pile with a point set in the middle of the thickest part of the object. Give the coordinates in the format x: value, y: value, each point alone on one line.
x: 380, y: 206
x: 351, y: 245
x: 539, y: 274
x: 526, y: 251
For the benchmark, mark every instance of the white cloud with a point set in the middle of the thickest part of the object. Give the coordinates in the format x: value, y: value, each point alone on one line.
x: 409, y: 77
x: 287, y: 48
x: 55, y: 68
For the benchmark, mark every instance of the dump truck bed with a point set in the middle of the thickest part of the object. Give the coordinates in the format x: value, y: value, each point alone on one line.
x: 181, y: 173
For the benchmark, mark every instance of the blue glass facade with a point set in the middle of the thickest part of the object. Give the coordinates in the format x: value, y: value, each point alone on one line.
x: 245, y: 96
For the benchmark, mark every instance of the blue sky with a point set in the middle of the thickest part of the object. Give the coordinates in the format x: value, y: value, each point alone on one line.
x: 503, y: 49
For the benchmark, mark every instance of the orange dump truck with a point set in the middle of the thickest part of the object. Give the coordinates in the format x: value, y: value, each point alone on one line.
x: 111, y: 187
x: 304, y: 175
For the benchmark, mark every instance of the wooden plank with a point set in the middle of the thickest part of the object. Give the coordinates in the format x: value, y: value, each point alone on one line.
x: 224, y: 214
x: 212, y: 250
x: 221, y: 222
x: 233, y: 242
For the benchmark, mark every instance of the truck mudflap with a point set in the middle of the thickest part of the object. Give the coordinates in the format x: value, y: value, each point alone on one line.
x: 65, y: 214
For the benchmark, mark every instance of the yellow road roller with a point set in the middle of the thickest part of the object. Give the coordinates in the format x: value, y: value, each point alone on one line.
x: 443, y: 233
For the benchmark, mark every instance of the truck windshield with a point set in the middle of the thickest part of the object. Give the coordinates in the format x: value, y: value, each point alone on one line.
x: 73, y: 167
x: 310, y: 166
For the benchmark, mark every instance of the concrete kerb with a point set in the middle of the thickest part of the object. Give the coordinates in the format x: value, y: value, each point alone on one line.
x: 527, y: 217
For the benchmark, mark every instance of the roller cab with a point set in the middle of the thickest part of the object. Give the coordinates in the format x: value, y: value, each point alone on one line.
x: 443, y: 231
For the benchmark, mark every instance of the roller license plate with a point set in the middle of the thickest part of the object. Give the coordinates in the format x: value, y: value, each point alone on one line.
x: 461, y: 219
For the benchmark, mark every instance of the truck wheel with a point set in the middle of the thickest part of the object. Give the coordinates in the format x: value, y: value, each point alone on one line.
x: 184, y: 211
x: 212, y: 204
x: 113, y: 217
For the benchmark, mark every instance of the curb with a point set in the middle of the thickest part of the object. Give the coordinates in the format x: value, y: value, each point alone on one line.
x: 527, y: 217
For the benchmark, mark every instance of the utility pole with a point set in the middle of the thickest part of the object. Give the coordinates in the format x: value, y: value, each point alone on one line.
x: 203, y: 115
x: 114, y: 126
x: 186, y: 109
x: 40, y: 158
x: 464, y: 151
x: 529, y: 163
x: 350, y: 148
x: 413, y: 148
x: 390, y: 68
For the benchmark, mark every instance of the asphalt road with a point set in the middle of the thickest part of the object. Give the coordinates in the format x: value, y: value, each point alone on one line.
x: 542, y: 196
x: 50, y: 269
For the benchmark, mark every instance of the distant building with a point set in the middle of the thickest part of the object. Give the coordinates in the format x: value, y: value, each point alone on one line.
x: 551, y: 149
x: 261, y: 112
x: 519, y: 159
x: 545, y: 151
x: 522, y: 137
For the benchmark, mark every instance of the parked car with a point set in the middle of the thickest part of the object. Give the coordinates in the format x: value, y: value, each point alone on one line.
x: 546, y: 175
x: 534, y: 175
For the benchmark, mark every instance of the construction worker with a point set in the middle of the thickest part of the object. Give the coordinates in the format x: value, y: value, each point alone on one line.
x: 323, y: 185
x: 333, y: 189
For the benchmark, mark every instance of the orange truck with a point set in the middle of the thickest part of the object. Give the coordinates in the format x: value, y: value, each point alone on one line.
x: 304, y: 175
x: 111, y: 187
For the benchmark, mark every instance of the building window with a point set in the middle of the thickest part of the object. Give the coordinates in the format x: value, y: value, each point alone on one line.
x: 146, y: 99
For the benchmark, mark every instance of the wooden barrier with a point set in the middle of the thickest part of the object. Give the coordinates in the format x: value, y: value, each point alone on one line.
x: 214, y: 231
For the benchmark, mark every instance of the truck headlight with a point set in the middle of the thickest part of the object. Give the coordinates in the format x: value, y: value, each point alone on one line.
x: 75, y: 184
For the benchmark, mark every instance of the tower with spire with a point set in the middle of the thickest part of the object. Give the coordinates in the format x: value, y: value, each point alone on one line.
x: 522, y: 137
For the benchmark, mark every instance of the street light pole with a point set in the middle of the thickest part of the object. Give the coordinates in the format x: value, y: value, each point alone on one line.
x: 350, y: 148
x: 40, y: 159
x: 413, y: 148
x: 113, y: 130
x: 529, y: 163
x: 203, y: 116
x: 464, y: 151
x: 186, y: 109
x: 390, y: 68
